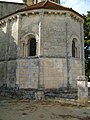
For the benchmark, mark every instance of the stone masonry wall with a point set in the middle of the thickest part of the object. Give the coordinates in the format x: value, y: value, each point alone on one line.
x: 53, y: 72
x: 11, y: 73
x: 2, y: 73
x: 28, y: 73
x: 8, y: 53
x: 76, y: 70
x: 29, y: 24
x: 59, y: 32
x: 54, y: 36
x: 9, y: 7
x: 77, y: 63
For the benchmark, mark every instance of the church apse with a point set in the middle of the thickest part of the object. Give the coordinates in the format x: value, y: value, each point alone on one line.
x: 43, y: 51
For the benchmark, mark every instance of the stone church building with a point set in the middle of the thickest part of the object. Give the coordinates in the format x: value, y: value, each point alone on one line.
x: 41, y: 46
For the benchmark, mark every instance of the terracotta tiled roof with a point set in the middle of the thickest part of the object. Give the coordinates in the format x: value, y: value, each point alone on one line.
x: 45, y: 5
x: 49, y: 5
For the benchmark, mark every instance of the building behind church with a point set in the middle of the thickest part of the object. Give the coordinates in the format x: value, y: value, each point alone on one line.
x: 9, y: 7
x: 41, y: 47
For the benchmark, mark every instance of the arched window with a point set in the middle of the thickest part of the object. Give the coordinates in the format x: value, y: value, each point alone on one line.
x: 32, y: 47
x: 73, y: 48
x: 29, y: 45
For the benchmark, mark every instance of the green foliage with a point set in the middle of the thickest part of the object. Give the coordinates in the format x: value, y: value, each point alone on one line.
x: 87, y: 43
x: 87, y: 26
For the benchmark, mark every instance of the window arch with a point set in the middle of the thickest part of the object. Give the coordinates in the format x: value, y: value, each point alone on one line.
x: 29, y: 45
x: 75, y: 48
x: 32, y: 47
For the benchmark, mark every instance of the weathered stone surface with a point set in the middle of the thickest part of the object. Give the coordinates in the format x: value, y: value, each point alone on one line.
x: 54, y: 74
x: 9, y: 7
x: 53, y: 66
x: 27, y: 73
x: 82, y: 84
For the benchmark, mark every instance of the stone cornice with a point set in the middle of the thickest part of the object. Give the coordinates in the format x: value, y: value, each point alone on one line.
x: 14, y: 17
x: 75, y: 17
x: 38, y: 12
x: 9, y: 19
x: 54, y: 12
x: 2, y: 23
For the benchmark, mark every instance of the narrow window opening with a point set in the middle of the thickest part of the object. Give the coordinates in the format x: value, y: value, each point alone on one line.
x: 23, y: 49
x: 32, y: 47
x: 73, y: 48
x: 76, y: 53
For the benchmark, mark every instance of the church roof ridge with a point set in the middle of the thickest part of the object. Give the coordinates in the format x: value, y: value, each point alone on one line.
x: 47, y: 4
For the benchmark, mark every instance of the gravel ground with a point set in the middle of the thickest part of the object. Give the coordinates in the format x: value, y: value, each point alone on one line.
x: 12, y: 109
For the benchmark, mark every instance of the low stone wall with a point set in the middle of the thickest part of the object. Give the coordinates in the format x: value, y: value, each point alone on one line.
x: 63, y: 92
x: 79, y: 95
x: 17, y: 93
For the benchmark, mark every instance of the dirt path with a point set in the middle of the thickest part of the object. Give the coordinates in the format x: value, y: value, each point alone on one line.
x: 32, y: 110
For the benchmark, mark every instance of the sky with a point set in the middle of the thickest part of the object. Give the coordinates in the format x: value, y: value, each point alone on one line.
x: 81, y: 6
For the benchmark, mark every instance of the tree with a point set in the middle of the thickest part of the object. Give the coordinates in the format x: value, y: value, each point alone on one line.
x: 87, y: 43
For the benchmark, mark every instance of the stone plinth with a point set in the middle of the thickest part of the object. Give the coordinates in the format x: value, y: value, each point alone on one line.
x: 82, y: 84
x: 39, y: 95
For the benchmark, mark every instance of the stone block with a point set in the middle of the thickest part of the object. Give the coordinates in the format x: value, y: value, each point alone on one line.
x: 82, y: 84
x: 39, y: 95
